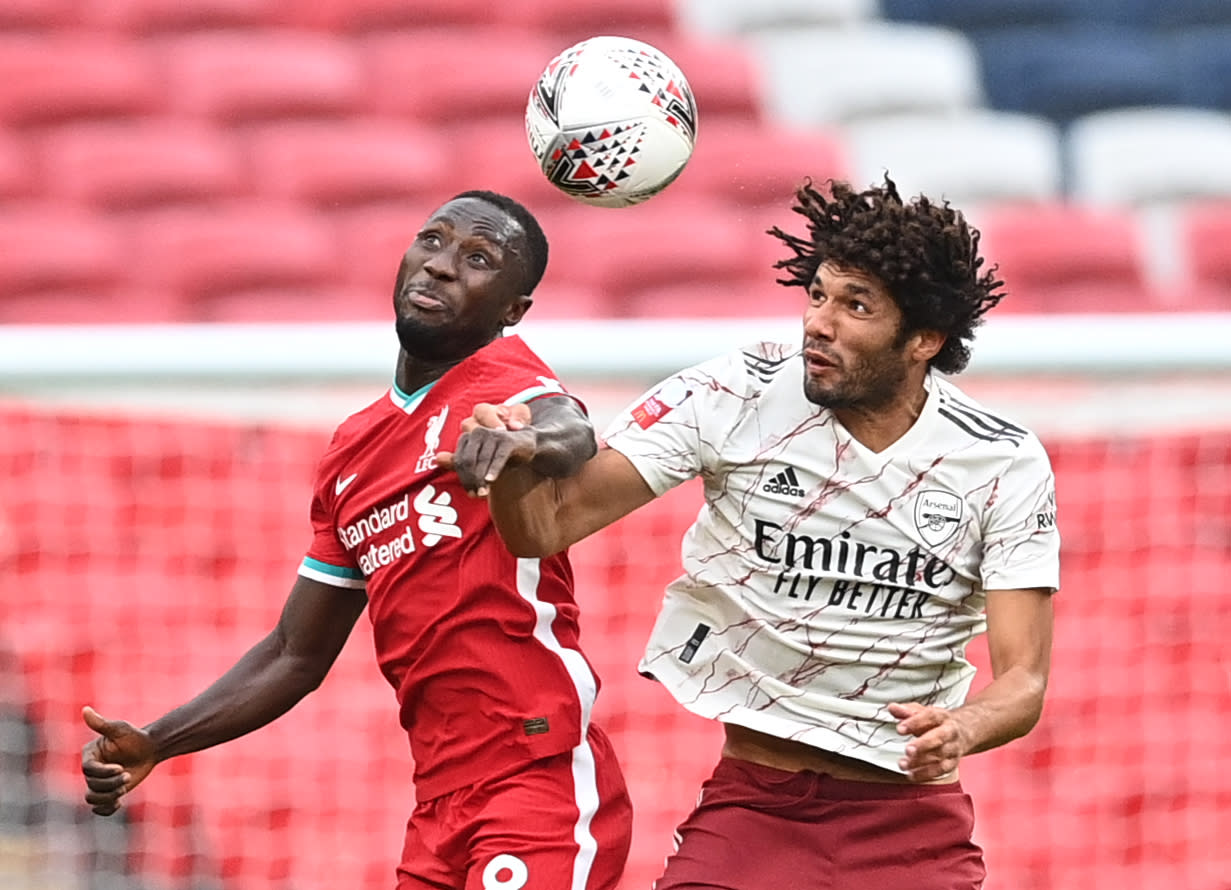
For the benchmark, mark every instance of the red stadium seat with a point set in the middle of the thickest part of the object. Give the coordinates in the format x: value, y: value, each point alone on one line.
x: 494, y: 154
x: 343, y: 163
x: 296, y: 305
x: 16, y: 170
x: 49, y: 79
x: 245, y: 76
x: 753, y: 297
x: 1048, y: 245
x: 55, y: 247
x: 141, y: 163
x: 83, y: 307
x: 376, y: 15
x: 426, y: 76
x: 35, y: 14
x: 723, y: 75
x: 206, y: 252
x: 1081, y: 297
x: 749, y: 164
x: 372, y: 240
x: 1206, y: 238
x: 650, y: 245
x: 143, y: 16
x: 576, y: 21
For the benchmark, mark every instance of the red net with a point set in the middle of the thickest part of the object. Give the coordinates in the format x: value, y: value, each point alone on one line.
x: 141, y: 557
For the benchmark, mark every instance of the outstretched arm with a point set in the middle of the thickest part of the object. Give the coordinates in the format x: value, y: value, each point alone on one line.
x: 1019, y: 633
x: 263, y: 685
x: 546, y: 487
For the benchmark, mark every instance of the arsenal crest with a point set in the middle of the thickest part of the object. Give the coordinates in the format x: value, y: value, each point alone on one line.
x: 937, y: 516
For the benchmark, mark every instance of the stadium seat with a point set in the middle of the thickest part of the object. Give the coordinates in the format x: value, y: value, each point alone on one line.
x: 826, y: 75
x: 967, y: 157
x: 562, y: 301
x: 239, y: 76
x: 1203, y: 57
x: 1153, y: 14
x: 1114, y: 157
x: 1041, y: 246
x: 302, y: 304
x: 969, y: 15
x: 38, y: 85
x: 1066, y: 72
x: 57, y: 247
x: 1206, y: 239
x: 734, y: 17
x: 149, y: 16
x: 81, y: 306
x: 747, y: 164
x: 372, y: 240
x: 400, y: 64
x: 126, y: 164
x: 723, y: 74
x: 347, y: 162
x: 752, y: 298
x: 658, y: 243
x: 574, y: 21
x: 36, y: 15
x: 357, y: 16
x: 204, y: 252
x: 17, y: 173
x: 493, y: 153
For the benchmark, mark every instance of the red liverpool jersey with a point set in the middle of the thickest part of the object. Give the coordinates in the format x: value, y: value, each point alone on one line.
x: 480, y: 646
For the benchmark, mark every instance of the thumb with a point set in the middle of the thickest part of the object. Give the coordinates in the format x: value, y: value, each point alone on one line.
x: 97, y: 721
x: 444, y: 460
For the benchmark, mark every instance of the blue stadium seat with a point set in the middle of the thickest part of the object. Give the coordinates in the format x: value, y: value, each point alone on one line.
x: 1186, y: 13
x: 974, y: 14
x: 1203, y: 58
x: 1065, y: 72
x: 1154, y: 13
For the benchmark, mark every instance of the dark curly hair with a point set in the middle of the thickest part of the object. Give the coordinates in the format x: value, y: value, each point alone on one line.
x: 925, y: 253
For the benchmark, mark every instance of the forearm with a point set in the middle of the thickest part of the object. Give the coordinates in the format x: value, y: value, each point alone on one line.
x: 562, y: 445
x: 525, y: 509
x: 1006, y: 709
x: 262, y: 686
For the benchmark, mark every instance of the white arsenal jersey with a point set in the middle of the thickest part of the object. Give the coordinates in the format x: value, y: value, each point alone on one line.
x: 822, y: 580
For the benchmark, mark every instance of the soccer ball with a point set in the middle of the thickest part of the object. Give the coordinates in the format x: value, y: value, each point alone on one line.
x: 612, y: 121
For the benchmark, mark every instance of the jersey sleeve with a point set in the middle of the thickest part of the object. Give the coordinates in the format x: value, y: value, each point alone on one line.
x: 672, y: 432
x: 1021, y: 546
x: 327, y: 560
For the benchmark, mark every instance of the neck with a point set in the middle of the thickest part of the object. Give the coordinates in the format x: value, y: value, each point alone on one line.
x: 414, y: 373
x: 876, y: 427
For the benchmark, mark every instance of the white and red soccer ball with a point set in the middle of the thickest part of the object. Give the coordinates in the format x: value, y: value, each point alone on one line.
x: 612, y: 121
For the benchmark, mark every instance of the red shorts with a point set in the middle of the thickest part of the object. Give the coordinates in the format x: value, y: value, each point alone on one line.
x: 560, y: 823
x: 758, y: 828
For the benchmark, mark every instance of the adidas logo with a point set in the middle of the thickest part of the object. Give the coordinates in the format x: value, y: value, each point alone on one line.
x: 785, y: 482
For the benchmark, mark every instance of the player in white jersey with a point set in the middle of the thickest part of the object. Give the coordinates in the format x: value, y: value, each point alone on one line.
x: 863, y: 521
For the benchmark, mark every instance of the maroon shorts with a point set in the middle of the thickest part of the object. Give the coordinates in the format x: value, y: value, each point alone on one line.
x: 758, y: 828
x: 560, y: 823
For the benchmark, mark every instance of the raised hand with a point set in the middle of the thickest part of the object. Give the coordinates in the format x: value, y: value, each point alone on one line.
x: 115, y: 762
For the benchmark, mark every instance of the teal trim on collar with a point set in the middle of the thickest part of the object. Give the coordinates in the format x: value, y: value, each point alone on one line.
x: 409, y: 402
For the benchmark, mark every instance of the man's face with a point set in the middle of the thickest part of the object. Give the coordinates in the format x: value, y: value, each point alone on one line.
x: 854, y: 355
x: 461, y: 280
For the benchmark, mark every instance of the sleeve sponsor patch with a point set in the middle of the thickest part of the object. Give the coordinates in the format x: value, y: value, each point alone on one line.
x: 660, y: 403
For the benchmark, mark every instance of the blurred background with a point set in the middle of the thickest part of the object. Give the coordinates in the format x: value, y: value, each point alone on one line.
x: 202, y: 207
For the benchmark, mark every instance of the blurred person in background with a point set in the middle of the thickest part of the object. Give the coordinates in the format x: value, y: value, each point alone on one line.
x: 515, y: 786
x: 864, y: 519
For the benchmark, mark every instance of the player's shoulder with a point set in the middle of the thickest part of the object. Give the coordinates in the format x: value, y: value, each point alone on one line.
x: 968, y: 418
x: 748, y: 368
x: 359, y: 424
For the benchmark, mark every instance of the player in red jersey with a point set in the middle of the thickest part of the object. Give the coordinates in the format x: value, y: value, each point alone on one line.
x: 515, y: 786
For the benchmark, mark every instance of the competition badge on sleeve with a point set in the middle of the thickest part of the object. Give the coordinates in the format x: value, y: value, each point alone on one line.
x: 670, y: 395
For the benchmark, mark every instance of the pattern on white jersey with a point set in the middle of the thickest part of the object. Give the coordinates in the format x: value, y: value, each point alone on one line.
x: 822, y: 580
